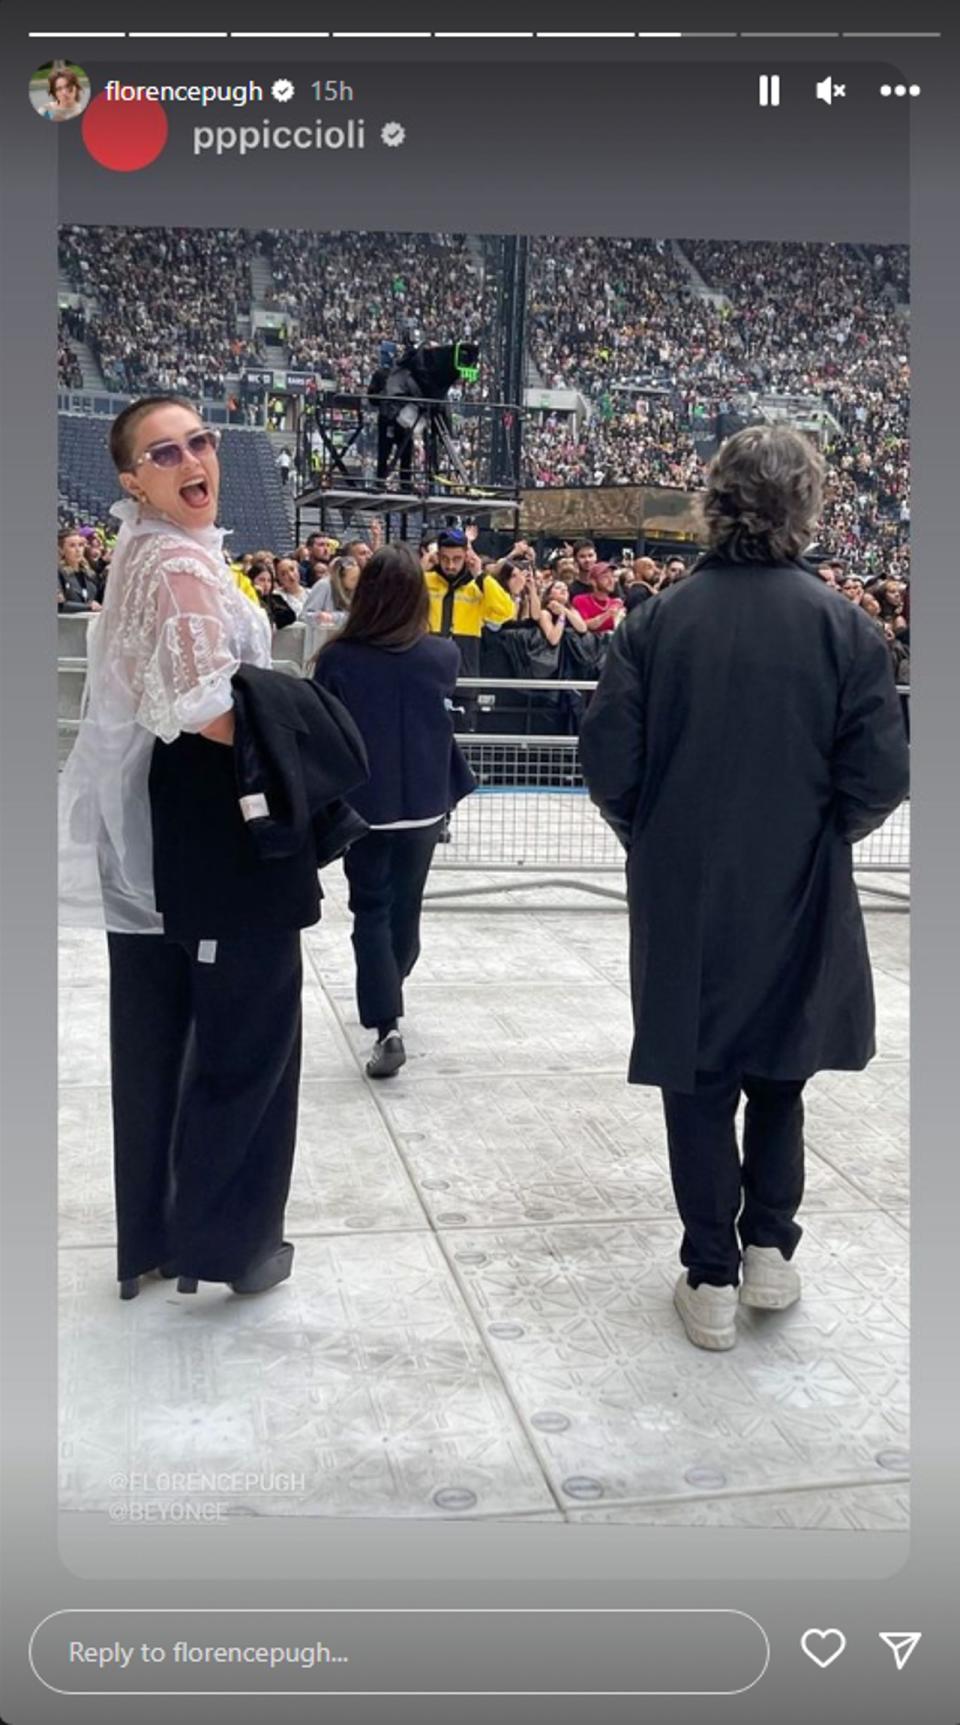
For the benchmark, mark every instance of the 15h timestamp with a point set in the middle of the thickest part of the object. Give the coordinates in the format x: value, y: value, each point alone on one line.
x: 331, y: 90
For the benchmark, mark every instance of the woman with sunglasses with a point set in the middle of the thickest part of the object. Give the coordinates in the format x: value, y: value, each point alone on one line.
x: 204, y: 981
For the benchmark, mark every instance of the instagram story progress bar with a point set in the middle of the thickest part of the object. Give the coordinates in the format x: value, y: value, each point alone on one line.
x: 769, y: 90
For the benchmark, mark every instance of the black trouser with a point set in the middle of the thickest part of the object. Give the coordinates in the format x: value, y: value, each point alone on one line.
x: 205, y: 1061
x: 394, y: 439
x: 387, y: 872
x: 709, y: 1182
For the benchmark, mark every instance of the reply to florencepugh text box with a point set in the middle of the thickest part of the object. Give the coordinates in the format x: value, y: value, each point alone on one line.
x: 451, y: 1651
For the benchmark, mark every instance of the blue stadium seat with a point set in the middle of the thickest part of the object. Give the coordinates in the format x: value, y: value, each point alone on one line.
x: 251, y: 497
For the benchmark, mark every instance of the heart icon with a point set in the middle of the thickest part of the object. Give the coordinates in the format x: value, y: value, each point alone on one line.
x: 816, y: 1642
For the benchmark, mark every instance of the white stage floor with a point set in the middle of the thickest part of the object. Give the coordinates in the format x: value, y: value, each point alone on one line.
x: 480, y: 1323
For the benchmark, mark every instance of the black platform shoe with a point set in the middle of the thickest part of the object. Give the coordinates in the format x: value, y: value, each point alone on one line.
x: 130, y: 1286
x: 267, y: 1273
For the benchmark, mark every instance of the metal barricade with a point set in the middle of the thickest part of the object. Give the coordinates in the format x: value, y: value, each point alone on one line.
x: 530, y: 820
x: 531, y: 815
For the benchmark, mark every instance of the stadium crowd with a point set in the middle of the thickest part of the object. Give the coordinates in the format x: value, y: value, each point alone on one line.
x: 344, y: 293
x: 71, y: 327
x: 168, y: 304
x: 618, y: 321
x: 624, y: 323
x: 545, y: 610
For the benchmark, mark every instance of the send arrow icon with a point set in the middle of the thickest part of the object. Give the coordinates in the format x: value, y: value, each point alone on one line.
x: 901, y: 1643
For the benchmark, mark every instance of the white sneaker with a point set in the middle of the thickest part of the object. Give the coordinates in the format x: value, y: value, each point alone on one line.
x: 708, y: 1314
x: 769, y: 1281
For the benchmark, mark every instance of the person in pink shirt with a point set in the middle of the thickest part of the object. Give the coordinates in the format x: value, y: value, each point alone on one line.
x: 602, y: 609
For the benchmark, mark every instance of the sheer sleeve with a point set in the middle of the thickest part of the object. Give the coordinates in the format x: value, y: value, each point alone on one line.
x: 186, y: 679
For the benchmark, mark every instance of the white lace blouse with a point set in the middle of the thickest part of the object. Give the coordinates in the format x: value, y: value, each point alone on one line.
x: 173, y: 630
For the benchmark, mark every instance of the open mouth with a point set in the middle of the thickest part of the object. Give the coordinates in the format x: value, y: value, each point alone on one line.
x: 196, y: 494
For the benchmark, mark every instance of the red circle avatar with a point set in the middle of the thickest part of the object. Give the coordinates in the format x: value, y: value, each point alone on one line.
x: 124, y: 135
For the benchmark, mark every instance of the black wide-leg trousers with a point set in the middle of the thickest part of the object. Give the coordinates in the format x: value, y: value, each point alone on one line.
x: 725, y: 1203
x: 205, y: 1043
x: 387, y: 872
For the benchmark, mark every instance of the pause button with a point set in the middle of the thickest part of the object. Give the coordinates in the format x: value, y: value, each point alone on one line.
x: 769, y: 90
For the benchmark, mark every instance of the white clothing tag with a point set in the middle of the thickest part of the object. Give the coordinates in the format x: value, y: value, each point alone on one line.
x: 254, y: 808
x: 207, y: 952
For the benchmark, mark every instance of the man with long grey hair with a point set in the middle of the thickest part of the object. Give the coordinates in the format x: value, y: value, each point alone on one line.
x: 745, y: 734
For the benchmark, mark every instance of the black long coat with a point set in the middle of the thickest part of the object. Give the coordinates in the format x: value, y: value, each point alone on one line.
x: 744, y: 734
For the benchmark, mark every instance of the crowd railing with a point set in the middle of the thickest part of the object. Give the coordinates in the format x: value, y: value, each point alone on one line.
x: 530, y: 821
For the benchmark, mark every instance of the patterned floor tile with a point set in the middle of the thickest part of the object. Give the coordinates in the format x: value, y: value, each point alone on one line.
x: 856, y: 1509
x: 84, y: 1054
x: 601, y: 939
x: 82, y: 957
x: 525, y: 1027
x: 860, y: 1123
x: 888, y: 938
x: 535, y: 892
x: 83, y: 1047
x: 326, y: 1052
x: 893, y: 1016
x: 85, y: 1166
x: 362, y: 1382
x: 457, y: 949
x: 385, y: 1378
x: 622, y: 1407
x: 347, y: 1173
x: 491, y: 1152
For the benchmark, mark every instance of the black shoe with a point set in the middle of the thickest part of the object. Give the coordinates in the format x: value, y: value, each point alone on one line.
x: 130, y: 1286
x: 187, y: 1284
x: 388, y: 1056
x: 268, y: 1273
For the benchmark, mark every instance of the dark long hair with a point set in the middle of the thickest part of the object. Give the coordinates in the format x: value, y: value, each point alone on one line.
x: 391, y: 604
x: 764, y: 495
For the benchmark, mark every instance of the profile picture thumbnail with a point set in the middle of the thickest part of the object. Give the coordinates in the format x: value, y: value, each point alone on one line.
x: 59, y: 90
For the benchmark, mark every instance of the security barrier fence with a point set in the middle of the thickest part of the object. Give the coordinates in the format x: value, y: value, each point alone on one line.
x: 531, y: 815
x: 531, y: 812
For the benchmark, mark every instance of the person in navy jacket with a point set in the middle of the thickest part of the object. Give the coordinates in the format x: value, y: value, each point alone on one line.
x: 395, y: 679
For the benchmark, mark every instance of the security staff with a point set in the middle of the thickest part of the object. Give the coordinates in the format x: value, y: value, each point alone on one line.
x: 462, y: 599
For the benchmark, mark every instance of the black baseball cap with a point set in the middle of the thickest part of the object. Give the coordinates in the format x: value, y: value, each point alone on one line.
x: 452, y: 536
